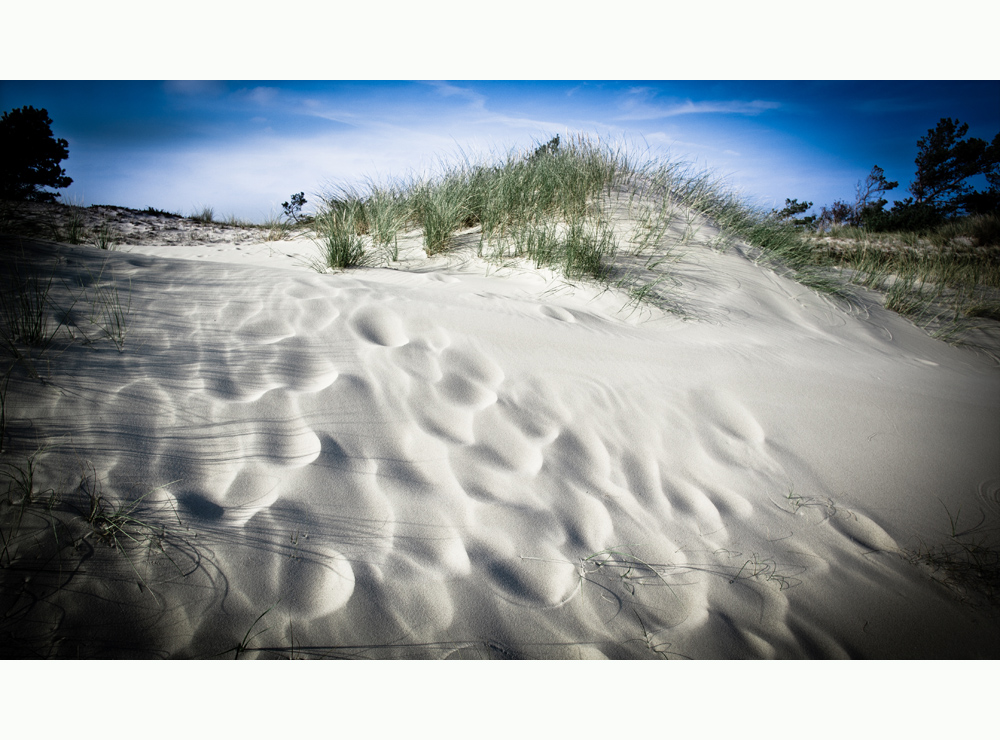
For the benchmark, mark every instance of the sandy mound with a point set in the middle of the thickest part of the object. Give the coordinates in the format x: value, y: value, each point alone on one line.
x: 434, y: 461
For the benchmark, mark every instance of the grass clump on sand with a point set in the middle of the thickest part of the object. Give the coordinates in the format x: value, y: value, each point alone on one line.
x: 24, y: 301
x: 341, y: 232
x: 205, y: 216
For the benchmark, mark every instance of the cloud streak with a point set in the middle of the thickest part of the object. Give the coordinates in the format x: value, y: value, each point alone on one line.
x: 642, y: 111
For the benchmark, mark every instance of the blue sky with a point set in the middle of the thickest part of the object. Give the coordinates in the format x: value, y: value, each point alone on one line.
x: 244, y: 147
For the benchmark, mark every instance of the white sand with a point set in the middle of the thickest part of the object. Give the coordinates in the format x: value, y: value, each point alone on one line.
x: 433, y: 461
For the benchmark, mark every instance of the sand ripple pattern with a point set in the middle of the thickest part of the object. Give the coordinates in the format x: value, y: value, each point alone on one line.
x: 417, y: 468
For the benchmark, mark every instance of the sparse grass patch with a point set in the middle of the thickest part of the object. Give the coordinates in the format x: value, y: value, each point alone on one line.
x: 983, y: 309
x: 25, y: 323
x: 23, y: 309
x: 387, y: 214
x: 110, y: 314
x: 45, y: 538
x: 157, y: 212
x: 106, y: 237
x: 276, y: 229
x: 205, y: 216
x: 584, y: 248
x: 20, y: 503
x: 74, y: 226
x: 380, y: 214
x: 30, y: 320
x: 115, y: 524
x: 969, y: 562
x: 239, y: 223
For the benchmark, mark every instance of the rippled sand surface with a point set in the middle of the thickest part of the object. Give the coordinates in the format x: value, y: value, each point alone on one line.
x: 443, y: 460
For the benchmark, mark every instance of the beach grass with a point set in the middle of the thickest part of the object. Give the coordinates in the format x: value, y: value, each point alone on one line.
x: 110, y: 313
x: 945, y: 279
x: 106, y: 237
x: 553, y: 205
x: 274, y: 229
x: 206, y: 215
x: 341, y: 233
x: 23, y: 310
x: 30, y: 319
x: 20, y: 501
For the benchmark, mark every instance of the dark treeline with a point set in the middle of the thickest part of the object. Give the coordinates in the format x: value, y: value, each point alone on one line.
x: 940, y: 191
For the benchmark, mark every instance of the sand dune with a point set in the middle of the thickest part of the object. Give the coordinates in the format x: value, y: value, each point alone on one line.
x: 446, y: 460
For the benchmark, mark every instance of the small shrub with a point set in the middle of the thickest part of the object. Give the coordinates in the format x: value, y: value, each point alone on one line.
x: 293, y: 207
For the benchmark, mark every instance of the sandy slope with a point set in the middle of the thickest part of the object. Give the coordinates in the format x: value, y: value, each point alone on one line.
x: 435, y: 462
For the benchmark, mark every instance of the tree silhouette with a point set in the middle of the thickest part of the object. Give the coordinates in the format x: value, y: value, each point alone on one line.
x: 30, y: 156
x: 293, y: 209
x: 869, y: 205
x: 792, y: 209
x: 946, y: 160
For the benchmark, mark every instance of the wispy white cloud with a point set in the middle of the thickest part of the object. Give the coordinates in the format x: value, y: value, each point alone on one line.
x: 469, y: 116
x: 449, y: 90
x: 641, y: 111
x: 642, y: 104
x: 263, y: 95
x: 673, y: 143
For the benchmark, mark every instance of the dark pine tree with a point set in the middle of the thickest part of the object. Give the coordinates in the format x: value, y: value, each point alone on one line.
x: 945, y: 162
x: 30, y: 156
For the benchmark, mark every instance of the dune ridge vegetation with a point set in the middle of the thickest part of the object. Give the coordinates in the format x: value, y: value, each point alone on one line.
x: 554, y: 206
